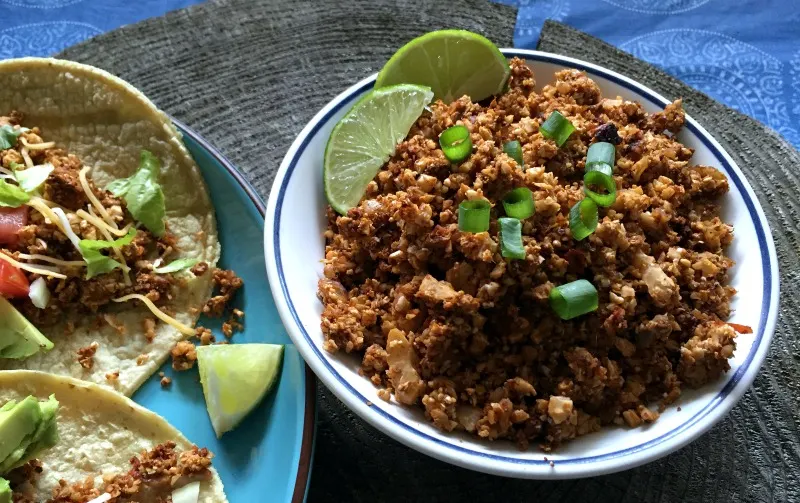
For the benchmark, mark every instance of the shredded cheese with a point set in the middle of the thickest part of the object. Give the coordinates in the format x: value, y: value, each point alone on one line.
x: 169, y: 320
x: 39, y: 205
x: 120, y: 258
x: 93, y: 199
x: 41, y: 270
x: 45, y: 258
x: 50, y: 211
x: 62, y: 217
x: 100, y: 224
x: 26, y: 157
x: 38, y: 146
x: 48, y: 268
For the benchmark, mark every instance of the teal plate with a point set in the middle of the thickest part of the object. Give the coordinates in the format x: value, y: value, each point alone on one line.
x: 268, y: 457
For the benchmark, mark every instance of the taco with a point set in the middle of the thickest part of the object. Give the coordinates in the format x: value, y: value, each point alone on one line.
x: 87, y: 443
x: 108, y: 238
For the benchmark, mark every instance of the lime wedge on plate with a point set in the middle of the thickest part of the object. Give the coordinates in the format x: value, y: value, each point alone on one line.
x: 452, y: 63
x: 366, y: 137
x: 235, y: 378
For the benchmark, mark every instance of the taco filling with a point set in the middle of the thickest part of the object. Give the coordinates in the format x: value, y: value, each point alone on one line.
x: 67, y: 441
x: 82, y: 240
x: 71, y: 249
x: 154, y: 476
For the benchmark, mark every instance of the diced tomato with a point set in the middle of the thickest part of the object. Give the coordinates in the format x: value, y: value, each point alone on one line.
x: 742, y: 329
x: 11, y: 221
x: 13, y: 282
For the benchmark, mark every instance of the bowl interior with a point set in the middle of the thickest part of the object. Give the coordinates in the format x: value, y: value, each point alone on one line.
x: 299, y: 225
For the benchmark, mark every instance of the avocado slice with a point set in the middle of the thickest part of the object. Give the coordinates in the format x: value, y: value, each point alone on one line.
x: 43, y: 436
x: 5, y: 491
x: 46, y: 435
x: 18, y: 422
x: 18, y: 337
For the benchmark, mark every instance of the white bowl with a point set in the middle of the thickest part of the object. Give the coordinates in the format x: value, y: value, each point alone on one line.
x: 294, y: 247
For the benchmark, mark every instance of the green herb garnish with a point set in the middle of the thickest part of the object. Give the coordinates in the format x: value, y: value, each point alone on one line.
x: 143, y: 195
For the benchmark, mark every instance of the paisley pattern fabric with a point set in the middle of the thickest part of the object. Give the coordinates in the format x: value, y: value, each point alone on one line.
x: 43, y: 38
x: 44, y: 27
x: 744, y: 53
x: 39, y: 4
x: 737, y: 74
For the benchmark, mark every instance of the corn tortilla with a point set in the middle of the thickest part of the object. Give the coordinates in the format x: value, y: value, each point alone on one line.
x: 106, y: 122
x: 100, y: 431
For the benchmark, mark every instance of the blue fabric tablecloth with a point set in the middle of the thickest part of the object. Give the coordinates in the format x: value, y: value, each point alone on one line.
x: 744, y: 53
x: 44, y: 27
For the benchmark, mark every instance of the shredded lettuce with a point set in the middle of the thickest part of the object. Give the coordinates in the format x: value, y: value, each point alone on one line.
x: 12, y: 196
x: 96, y: 262
x: 119, y: 187
x: 31, y: 179
x: 8, y: 136
x: 176, y: 265
x: 143, y: 195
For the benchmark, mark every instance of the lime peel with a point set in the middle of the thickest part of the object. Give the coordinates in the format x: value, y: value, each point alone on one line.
x: 366, y: 137
x: 235, y: 379
x: 453, y: 63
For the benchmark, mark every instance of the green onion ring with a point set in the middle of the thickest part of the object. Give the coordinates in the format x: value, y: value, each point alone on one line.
x: 583, y: 219
x: 600, y: 153
x: 456, y: 143
x: 519, y: 203
x: 514, y: 150
x: 573, y: 299
x: 600, y: 174
x: 511, y: 238
x: 473, y: 216
x: 557, y: 128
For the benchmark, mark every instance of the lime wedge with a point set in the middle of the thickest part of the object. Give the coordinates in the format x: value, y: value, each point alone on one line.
x: 451, y: 62
x: 364, y: 139
x: 235, y: 378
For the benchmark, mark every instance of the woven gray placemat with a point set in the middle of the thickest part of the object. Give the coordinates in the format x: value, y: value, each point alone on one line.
x: 754, y: 454
x: 248, y: 74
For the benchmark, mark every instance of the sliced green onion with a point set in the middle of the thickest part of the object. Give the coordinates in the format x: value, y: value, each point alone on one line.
x: 519, y: 203
x: 514, y: 150
x: 573, y: 299
x: 473, y: 216
x: 511, y: 238
x: 557, y: 128
x: 583, y: 218
x: 600, y: 153
x: 456, y: 143
x: 600, y: 174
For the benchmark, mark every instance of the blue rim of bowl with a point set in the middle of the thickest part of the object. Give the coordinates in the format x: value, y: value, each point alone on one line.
x: 458, y: 450
x: 309, y: 419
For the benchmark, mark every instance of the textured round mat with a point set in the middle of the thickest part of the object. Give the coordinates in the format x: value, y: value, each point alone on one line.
x: 248, y: 74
